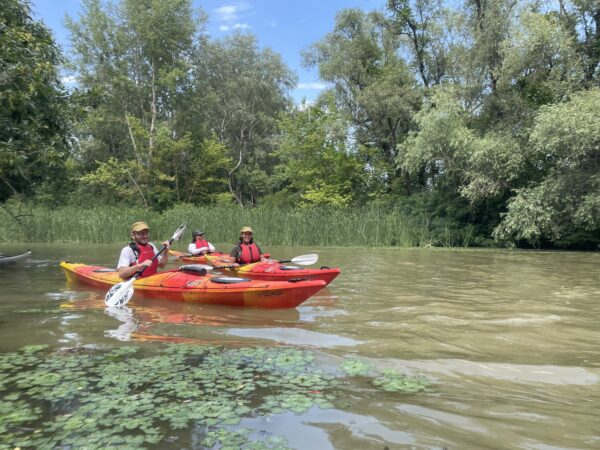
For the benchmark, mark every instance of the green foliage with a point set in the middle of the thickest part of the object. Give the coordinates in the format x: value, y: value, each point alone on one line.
x: 247, y: 88
x: 564, y: 149
x: 33, y: 111
x: 471, y: 117
x: 409, y: 225
x: 393, y: 381
x: 316, y: 162
x: 124, y: 398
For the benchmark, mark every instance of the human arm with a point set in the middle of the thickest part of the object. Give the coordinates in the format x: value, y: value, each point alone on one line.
x: 164, y: 257
x: 235, y: 254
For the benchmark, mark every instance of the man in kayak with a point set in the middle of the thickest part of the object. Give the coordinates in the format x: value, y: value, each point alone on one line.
x: 246, y: 251
x: 139, y: 253
x: 199, y: 245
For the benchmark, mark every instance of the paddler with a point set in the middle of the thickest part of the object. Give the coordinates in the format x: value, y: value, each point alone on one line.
x: 139, y: 253
x: 200, y: 245
x: 246, y: 251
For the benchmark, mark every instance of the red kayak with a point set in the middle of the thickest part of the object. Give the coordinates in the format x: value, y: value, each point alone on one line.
x: 193, y: 285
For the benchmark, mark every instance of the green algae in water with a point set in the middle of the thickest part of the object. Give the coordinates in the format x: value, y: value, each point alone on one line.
x: 392, y: 381
x: 387, y: 379
x: 125, y: 398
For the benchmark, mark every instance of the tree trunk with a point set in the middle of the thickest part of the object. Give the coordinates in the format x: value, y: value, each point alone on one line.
x: 153, y: 109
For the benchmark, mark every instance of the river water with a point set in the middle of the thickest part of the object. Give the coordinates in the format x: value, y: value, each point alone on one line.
x: 509, y: 340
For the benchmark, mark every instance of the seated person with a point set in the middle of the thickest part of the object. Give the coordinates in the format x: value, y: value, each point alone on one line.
x: 246, y: 251
x: 139, y: 254
x: 199, y: 245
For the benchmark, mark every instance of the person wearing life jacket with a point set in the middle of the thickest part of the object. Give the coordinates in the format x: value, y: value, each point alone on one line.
x: 139, y: 253
x: 246, y: 251
x: 200, y: 245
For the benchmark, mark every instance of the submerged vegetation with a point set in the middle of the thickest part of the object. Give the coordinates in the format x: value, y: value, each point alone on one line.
x: 179, y: 395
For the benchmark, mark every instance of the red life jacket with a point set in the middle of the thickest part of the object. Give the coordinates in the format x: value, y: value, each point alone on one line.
x: 249, y: 254
x: 143, y: 253
x: 201, y: 243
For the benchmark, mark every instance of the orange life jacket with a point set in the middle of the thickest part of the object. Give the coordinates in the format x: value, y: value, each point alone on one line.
x: 249, y: 254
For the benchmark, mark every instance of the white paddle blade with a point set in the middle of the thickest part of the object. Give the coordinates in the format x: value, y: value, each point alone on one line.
x: 306, y: 260
x: 177, y: 235
x: 119, y: 294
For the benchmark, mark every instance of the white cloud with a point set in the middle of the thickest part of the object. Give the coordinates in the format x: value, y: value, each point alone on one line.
x: 231, y: 13
x: 272, y: 24
x: 224, y: 28
x: 241, y: 26
x: 312, y: 85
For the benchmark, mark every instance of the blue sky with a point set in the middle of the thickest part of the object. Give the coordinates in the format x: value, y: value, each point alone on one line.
x: 286, y: 26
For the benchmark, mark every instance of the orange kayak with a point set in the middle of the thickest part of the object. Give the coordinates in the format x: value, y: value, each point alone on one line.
x: 269, y: 270
x: 210, y: 289
x: 199, y: 259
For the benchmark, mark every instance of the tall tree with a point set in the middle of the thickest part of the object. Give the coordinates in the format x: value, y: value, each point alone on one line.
x: 372, y: 85
x: 248, y: 88
x: 134, y: 63
x: 419, y: 22
x: 33, y: 111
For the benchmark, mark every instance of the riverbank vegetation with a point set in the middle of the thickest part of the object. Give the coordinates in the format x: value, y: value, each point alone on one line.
x: 465, y: 122
x: 321, y: 226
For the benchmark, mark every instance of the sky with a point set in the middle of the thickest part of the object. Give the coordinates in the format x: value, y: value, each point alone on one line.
x: 285, y: 26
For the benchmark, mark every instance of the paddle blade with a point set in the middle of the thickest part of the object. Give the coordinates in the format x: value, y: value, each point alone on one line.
x: 119, y: 294
x: 178, y: 233
x: 306, y: 260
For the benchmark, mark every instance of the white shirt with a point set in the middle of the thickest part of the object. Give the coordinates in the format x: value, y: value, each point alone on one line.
x: 128, y: 258
x: 196, y: 251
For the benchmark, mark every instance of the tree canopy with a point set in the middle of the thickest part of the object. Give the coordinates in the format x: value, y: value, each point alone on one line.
x: 484, y: 114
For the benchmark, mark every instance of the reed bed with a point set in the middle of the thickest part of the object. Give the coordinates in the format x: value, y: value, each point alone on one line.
x: 370, y: 227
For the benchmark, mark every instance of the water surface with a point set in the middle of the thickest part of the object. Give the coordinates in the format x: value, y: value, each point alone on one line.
x: 508, y: 339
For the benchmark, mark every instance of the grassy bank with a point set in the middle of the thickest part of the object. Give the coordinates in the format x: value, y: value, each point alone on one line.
x: 369, y: 227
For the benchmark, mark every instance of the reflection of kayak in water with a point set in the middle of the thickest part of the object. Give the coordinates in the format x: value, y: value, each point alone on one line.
x: 153, y: 311
x: 145, y: 320
x: 210, y: 289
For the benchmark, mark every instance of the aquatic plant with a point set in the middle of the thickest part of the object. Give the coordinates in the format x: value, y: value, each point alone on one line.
x: 128, y: 397
x: 392, y: 381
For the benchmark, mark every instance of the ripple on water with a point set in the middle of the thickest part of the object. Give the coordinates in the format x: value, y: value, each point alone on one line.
x: 295, y: 336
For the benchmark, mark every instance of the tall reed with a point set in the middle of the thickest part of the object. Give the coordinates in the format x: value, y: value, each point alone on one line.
x: 371, y: 227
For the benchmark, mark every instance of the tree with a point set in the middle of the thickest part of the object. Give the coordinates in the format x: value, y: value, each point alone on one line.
x: 134, y: 64
x: 317, y: 164
x: 33, y: 112
x: 372, y: 86
x: 420, y: 24
x: 564, y: 200
x: 248, y: 88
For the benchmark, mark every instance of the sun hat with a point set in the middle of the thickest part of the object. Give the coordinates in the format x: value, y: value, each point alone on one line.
x: 139, y: 226
x: 197, y: 233
x: 246, y: 230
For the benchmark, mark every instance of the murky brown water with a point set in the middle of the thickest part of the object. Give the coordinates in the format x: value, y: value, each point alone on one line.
x: 509, y: 339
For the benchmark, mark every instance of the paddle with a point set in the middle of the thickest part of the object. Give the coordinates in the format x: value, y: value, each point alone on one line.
x: 121, y: 293
x: 303, y: 260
